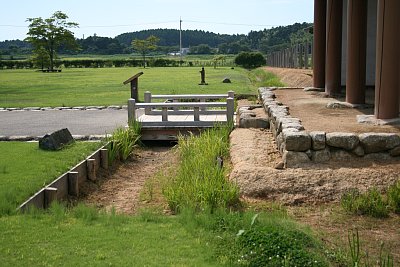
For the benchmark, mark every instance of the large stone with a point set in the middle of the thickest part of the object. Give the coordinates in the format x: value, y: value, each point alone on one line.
x: 359, y: 151
x: 294, y: 159
x: 56, y: 140
x: 248, y: 119
x: 321, y: 155
x: 347, y: 141
x: 226, y: 80
x: 296, y: 141
x: 395, y: 152
x: 378, y: 156
x: 318, y: 139
x: 341, y: 155
x: 378, y: 142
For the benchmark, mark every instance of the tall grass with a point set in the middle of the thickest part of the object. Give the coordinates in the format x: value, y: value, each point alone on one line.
x: 261, y: 78
x: 200, y: 181
x: 124, y: 140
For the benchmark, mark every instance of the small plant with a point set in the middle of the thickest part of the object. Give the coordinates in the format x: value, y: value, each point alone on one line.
x: 354, y: 245
x: 394, y: 197
x: 123, y: 141
x: 370, y: 203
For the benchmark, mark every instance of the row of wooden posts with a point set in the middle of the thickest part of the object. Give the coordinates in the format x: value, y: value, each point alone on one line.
x: 298, y: 56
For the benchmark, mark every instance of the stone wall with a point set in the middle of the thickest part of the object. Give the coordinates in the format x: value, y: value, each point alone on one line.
x: 298, y: 146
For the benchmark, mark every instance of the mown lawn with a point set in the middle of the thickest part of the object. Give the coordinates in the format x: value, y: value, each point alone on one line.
x: 75, y: 87
x: 24, y: 169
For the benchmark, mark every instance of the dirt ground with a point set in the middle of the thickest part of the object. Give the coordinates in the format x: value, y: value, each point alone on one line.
x: 120, y: 187
x: 293, y: 77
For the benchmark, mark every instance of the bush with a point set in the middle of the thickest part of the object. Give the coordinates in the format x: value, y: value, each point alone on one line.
x: 370, y: 203
x: 250, y: 60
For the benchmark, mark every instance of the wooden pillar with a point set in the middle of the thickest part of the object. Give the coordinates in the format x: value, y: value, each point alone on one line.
x: 91, y: 169
x: 73, y: 184
x: 387, y: 60
x: 104, y: 158
x: 131, y: 109
x: 356, y: 51
x: 319, y: 47
x: 333, y: 47
x: 50, y: 195
x: 306, y: 55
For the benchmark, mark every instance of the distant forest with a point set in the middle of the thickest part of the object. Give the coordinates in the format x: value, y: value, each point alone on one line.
x: 199, y: 42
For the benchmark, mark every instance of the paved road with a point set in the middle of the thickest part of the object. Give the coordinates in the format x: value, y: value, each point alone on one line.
x: 78, y: 122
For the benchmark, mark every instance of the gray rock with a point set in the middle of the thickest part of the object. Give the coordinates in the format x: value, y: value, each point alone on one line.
x: 56, y: 140
x: 114, y: 107
x: 3, y: 138
x: 12, y: 109
x: 46, y: 108
x: 338, y: 105
x: 96, y: 137
x: 292, y: 125
x: 294, y: 159
x: 22, y: 138
x: 280, y: 165
x: 395, y: 152
x: 347, y: 141
x: 358, y: 151
x: 341, y: 155
x: 78, y: 108
x: 31, y: 108
x: 226, y: 80
x: 319, y: 156
x: 377, y: 142
x: 296, y: 141
x: 80, y: 137
x: 378, y: 156
x: 313, y: 89
x: 318, y: 139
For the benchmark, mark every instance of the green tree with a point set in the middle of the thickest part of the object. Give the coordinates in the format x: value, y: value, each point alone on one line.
x: 51, y: 33
x: 143, y: 46
x: 41, y: 58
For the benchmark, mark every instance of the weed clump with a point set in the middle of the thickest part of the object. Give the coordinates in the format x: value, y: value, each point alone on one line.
x: 370, y: 203
x: 394, y: 197
x: 123, y: 141
x: 200, y: 181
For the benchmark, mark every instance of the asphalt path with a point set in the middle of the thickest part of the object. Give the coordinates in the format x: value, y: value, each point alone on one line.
x: 78, y: 122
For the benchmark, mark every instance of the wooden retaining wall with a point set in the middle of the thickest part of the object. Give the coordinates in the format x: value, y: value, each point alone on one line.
x: 69, y: 182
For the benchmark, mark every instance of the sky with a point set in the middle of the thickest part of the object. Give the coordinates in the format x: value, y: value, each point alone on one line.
x: 113, y: 17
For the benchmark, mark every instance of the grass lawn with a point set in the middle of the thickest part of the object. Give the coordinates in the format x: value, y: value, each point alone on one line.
x: 24, y: 169
x: 84, y: 237
x: 75, y: 87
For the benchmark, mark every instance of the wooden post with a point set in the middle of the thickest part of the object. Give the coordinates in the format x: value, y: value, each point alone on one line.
x: 134, y: 85
x: 196, y: 114
x: 104, y: 158
x: 147, y: 99
x: 91, y: 169
x: 164, y: 114
x: 230, y: 109
x: 50, y: 195
x: 131, y: 109
x: 73, y: 184
x: 306, y: 55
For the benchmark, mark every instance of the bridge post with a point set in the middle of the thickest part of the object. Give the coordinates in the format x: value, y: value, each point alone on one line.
x: 147, y: 99
x: 230, y: 109
x: 164, y: 114
x: 131, y: 109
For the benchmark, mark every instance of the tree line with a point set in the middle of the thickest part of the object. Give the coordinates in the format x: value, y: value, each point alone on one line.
x: 199, y: 42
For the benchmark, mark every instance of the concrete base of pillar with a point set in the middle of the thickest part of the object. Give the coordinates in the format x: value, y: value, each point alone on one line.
x: 371, y: 119
x: 314, y: 89
x: 339, y: 104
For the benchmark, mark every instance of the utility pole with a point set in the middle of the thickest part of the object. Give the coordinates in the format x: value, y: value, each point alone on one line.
x: 180, y: 41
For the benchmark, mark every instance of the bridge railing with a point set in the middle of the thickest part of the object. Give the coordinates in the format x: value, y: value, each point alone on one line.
x: 191, y: 105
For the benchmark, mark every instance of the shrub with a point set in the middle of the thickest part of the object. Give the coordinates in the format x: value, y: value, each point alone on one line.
x: 250, y: 60
x: 394, y: 197
x: 370, y: 203
x: 123, y: 141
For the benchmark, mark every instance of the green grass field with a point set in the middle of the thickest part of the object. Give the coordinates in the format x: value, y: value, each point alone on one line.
x: 76, y: 87
x: 24, y: 169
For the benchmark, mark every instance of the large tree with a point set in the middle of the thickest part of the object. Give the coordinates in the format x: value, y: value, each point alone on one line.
x: 145, y: 45
x: 49, y: 34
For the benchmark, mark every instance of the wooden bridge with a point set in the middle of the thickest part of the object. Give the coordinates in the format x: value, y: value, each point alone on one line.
x: 180, y: 114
